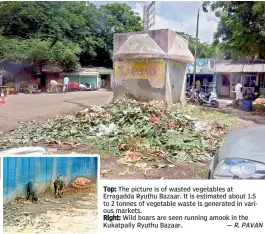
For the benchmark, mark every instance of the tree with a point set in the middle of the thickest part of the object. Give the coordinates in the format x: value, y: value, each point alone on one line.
x: 113, y: 18
x: 66, y: 54
x: 241, y: 30
x: 39, y: 51
x: 66, y: 23
x: 204, y: 50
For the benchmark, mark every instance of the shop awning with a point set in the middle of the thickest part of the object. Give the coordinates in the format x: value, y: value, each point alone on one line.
x: 51, y: 67
x: 100, y: 70
x: 82, y: 73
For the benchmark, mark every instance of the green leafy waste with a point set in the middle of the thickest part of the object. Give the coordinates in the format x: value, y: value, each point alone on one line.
x: 170, y: 139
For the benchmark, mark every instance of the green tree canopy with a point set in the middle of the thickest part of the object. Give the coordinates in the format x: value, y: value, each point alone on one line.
x: 40, y: 51
x: 67, y: 32
x: 204, y: 50
x: 241, y: 30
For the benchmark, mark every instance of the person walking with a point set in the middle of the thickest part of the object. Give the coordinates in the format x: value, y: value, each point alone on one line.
x: 65, y: 84
x: 198, y: 84
x: 239, y: 91
x: 17, y: 83
x: 53, y: 86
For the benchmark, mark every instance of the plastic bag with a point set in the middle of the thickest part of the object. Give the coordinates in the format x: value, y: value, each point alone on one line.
x: 106, y: 129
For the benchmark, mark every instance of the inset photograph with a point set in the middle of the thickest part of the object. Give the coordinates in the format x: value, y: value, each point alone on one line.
x: 50, y: 194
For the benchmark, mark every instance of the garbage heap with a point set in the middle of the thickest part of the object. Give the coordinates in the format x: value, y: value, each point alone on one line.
x: 259, y: 104
x: 152, y: 132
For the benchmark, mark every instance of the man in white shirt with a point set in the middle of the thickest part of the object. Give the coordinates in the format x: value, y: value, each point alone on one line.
x: 65, y: 83
x: 238, y: 90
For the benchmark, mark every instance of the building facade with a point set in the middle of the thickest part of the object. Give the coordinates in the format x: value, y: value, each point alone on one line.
x: 224, y: 75
x: 250, y: 74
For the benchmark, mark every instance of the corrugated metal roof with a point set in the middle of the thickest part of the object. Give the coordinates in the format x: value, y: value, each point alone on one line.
x: 247, y: 68
x: 258, y: 68
x: 239, y: 67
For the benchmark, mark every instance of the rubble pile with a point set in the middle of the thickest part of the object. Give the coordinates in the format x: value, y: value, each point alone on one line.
x: 153, y: 132
x: 259, y: 104
x: 81, y: 183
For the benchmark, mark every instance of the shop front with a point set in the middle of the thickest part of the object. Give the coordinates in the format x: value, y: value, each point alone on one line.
x: 83, y: 78
x: 50, y: 71
x: 23, y: 74
x: 105, y: 76
x: 204, y: 76
x: 250, y: 75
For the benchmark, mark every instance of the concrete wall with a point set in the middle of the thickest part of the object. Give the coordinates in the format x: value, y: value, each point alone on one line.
x: 177, y: 77
x: 169, y: 86
x: 142, y: 79
x: 18, y: 171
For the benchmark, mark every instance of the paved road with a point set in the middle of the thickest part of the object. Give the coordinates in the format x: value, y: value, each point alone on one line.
x: 25, y: 107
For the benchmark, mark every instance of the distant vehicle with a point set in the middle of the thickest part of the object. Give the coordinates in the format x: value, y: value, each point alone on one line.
x: 73, y: 86
x: 208, y: 98
x: 196, y: 93
x: 241, y: 156
x: 85, y: 87
x: 188, y: 93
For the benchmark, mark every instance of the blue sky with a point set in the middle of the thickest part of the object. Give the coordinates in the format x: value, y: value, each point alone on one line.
x: 179, y: 16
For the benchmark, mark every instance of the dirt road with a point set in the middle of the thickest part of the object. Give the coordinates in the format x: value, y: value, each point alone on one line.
x: 25, y: 107
x: 73, y: 213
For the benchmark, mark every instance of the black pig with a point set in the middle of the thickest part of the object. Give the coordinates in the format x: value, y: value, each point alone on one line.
x: 59, y: 187
x: 32, y: 191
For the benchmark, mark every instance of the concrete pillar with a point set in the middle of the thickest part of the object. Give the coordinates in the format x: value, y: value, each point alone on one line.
x: 183, y: 92
x: 111, y: 81
x: 231, y: 87
x: 168, y: 94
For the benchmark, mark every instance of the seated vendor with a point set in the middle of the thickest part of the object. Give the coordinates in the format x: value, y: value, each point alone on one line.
x: 257, y: 92
x: 248, y: 94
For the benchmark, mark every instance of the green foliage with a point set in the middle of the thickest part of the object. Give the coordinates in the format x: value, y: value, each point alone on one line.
x: 204, y: 50
x: 235, y: 103
x: 66, y: 54
x: 39, y: 51
x: 241, y: 30
x: 83, y: 33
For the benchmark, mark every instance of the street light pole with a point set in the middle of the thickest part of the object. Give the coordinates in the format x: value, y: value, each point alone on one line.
x: 195, y: 53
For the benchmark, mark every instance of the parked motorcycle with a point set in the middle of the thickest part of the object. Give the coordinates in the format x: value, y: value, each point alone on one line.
x: 196, y: 93
x: 210, y: 98
x: 188, y: 93
x: 85, y: 87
